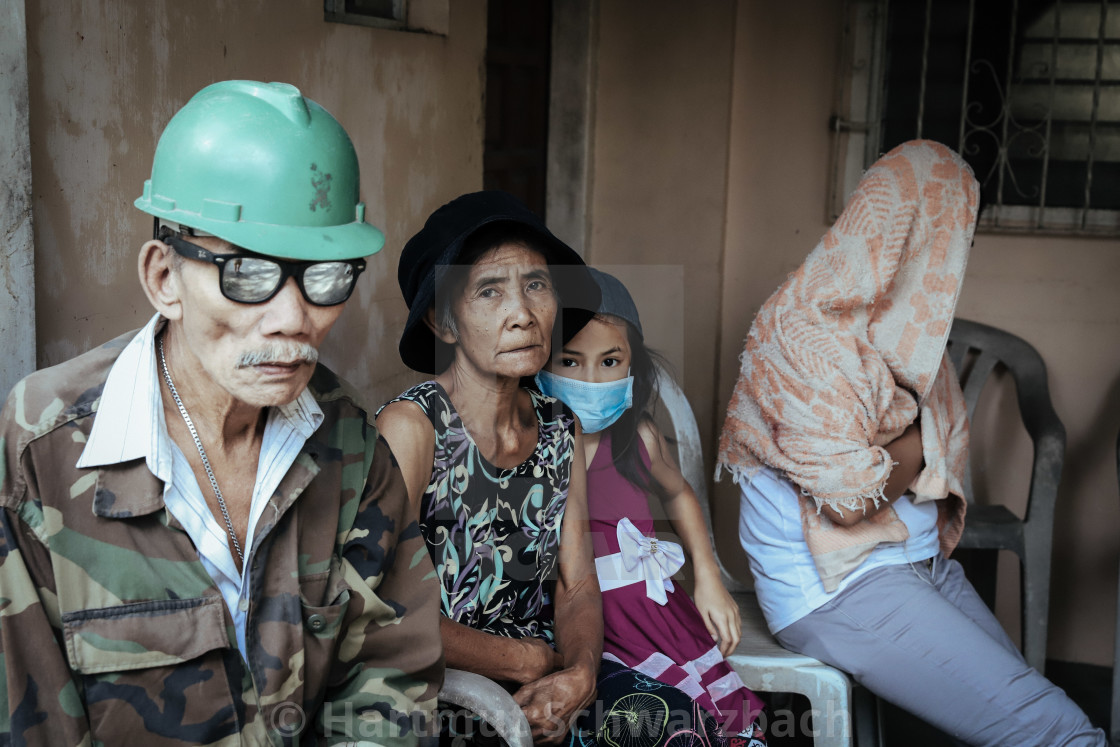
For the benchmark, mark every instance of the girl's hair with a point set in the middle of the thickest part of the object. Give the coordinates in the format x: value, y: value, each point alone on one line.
x: 625, y: 452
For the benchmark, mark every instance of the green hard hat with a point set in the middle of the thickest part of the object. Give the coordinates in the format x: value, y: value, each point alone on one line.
x: 264, y: 168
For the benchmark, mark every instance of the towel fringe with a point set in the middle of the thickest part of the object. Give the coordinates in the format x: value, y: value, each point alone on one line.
x: 737, y: 471
x: 855, y: 502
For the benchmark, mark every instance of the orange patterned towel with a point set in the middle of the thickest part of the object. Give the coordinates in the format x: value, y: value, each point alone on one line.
x: 851, y: 349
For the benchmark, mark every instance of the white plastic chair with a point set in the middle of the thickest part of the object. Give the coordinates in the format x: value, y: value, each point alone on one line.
x: 490, y: 701
x: 976, y: 351
x: 759, y: 660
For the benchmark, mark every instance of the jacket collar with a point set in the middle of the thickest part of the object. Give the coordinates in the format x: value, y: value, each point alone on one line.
x: 130, y: 446
x: 126, y: 490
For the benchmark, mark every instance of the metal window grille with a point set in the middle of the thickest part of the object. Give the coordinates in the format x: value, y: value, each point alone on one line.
x: 1028, y: 91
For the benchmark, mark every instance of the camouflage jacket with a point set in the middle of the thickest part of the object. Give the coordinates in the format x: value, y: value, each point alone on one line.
x: 112, y: 632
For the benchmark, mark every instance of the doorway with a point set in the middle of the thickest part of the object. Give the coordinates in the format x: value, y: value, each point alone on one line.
x: 518, y: 55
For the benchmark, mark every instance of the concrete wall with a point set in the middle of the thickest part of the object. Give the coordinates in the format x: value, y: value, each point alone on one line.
x: 106, y: 77
x: 17, y: 250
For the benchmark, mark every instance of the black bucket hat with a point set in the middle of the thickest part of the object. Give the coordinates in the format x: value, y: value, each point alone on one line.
x: 440, y: 242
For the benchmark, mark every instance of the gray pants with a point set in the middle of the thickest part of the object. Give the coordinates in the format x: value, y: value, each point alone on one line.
x: 923, y: 639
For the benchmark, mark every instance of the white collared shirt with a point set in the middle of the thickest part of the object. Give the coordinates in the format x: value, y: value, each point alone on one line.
x: 130, y: 425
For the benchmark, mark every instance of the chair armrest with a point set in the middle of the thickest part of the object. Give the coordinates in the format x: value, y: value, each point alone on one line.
x: 489, y: 700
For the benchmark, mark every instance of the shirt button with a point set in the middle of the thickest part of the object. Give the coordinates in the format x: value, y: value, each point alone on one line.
x: 243, y: 605
x: 316, y: 623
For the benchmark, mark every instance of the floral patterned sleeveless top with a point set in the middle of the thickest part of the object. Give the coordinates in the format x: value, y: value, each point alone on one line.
x: 494, y: 533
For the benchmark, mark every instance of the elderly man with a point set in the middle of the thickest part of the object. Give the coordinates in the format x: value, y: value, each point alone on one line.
x: 204, y: 540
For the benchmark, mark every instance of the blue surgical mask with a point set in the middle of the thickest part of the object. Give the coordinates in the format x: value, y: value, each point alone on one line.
x: 597, y: 405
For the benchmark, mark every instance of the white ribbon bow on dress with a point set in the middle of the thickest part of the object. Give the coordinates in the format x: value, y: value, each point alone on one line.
x: 657, y: 560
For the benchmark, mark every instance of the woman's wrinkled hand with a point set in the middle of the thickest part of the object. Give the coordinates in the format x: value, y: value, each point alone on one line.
x: 719, y: 612
x: 552, y: 703
x: 538, y: 660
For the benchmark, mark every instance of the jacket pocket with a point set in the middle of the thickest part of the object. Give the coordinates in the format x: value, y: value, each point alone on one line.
x: 323, y: 616
x: 144, y: 634
x: 159, y: 672
x: 323, y: 599
x: 323, y: 622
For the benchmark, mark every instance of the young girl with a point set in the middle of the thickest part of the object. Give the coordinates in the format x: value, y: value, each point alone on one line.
x: 607, y: 376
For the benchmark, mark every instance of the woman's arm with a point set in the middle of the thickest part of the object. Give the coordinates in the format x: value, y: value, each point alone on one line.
x: 520, y: 660
x: 717, y: 608
x: 579, y: 605
x: 906, y: 453
x: 412, y: 440
x: 553, y: 703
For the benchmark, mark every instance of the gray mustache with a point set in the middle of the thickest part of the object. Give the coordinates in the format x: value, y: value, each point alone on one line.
x: 288, y: 352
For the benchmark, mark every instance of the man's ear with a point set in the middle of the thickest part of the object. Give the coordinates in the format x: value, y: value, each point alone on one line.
x: 442, y: 333
x: 159, y: 278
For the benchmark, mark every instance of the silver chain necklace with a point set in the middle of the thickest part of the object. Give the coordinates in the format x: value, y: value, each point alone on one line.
x: 201, y: 452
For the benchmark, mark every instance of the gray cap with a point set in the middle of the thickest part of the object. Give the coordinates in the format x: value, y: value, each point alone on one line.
x: 616, y: 300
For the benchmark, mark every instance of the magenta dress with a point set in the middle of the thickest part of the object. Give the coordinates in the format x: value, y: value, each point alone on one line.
x: 667, y: 642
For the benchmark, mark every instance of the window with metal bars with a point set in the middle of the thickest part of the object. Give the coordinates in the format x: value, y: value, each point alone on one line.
x: 1028, y: 91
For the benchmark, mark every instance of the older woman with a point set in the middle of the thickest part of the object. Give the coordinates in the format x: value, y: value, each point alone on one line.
x: 496, y: 473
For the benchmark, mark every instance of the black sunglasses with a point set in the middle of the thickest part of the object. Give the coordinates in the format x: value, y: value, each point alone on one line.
x: 251, y: 278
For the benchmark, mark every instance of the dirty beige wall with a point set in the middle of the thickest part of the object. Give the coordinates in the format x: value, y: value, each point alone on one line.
x: 106, y: 77
x: 1059, y: 294
x: 659, y: 173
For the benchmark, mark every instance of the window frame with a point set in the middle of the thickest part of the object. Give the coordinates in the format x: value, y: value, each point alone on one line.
x: 416, y: 16
x: 857, y: 136
x: 335, y: 11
